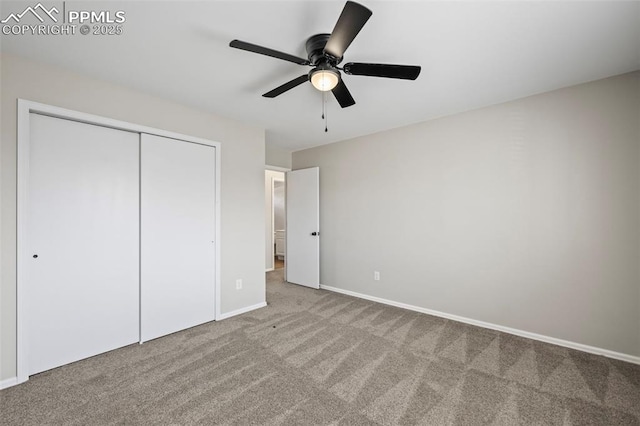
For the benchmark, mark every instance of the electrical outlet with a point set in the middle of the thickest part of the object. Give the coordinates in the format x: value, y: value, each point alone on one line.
x: 239, y: 284
x: 376, y: 276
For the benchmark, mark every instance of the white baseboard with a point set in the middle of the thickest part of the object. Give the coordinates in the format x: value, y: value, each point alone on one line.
x: 560, y: 342
x: 7, y: 383
x: 240, y: 311
x: 270, y: 269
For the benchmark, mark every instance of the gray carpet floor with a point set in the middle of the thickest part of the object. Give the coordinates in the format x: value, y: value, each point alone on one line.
x: 316, y: 357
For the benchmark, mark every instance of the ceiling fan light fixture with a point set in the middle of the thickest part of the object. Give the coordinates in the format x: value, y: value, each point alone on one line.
x: 324, y: 79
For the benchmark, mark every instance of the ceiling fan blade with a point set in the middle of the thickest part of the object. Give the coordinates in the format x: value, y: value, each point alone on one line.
x: 406, y: 72
x: 287, y: 86
x: 350, y: 22
x: 243, y: 45
x: 342, y: 95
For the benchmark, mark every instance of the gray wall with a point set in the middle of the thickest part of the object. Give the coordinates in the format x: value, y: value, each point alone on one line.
x: 243, y: 160
x: 524, y: 214
x: 278, y: 157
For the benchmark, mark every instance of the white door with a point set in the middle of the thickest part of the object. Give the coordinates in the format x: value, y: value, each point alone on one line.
x: 303, y: 227
x: 82, y: 232
x: 177, y: 235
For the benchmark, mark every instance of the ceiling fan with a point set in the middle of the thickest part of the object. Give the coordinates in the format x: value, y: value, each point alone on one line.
x: 325, y: 52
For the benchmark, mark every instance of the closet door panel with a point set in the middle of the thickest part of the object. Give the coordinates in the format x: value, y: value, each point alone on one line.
x: 82, y: 282
x: 177, y: 235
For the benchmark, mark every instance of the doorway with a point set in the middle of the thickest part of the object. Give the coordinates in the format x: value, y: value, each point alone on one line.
x: 275, y: 220
x: 279, y: 223
x: 292, y: 212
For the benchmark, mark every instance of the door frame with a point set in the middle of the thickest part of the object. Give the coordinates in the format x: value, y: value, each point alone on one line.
x: 284, y: 170
x: 273, y: 217
x: 24, y: 110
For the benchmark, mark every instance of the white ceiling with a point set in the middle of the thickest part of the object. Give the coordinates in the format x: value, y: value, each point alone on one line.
x: 472, y: 54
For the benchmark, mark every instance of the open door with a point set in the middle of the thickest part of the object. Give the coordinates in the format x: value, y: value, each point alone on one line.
x: 303, y: 227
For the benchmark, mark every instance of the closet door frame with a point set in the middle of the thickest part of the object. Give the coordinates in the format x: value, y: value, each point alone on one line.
x: 24, y: 109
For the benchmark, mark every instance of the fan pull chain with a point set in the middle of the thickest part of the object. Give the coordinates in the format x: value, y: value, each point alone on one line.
x: 325, y: 111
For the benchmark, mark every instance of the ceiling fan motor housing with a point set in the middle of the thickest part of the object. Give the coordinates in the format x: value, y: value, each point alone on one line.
x: 315, y: 50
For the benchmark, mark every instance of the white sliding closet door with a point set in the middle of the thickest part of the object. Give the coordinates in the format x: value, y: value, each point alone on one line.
x: 177, y: 235
x: 82, y: 275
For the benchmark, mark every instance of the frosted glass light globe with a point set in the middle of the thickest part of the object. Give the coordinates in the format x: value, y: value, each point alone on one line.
x: 324, y: 80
